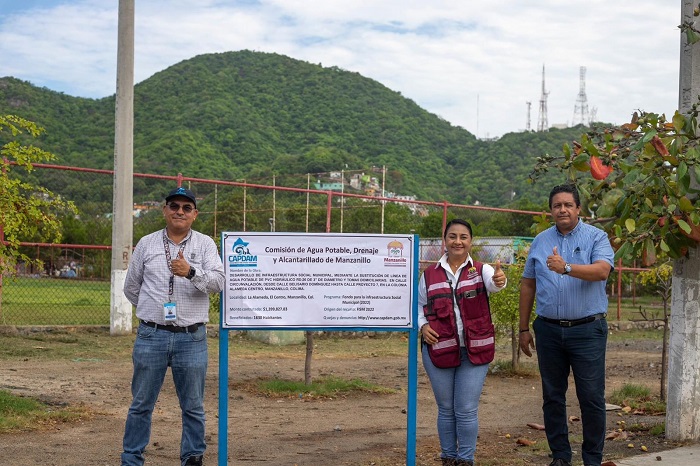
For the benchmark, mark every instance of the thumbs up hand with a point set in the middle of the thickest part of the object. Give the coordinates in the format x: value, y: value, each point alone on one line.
x: 180, y: 265
x: 499, y: 277
x: 555, y: 262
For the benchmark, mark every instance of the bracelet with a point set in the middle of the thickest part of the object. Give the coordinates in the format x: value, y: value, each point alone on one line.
x: 526, y: 330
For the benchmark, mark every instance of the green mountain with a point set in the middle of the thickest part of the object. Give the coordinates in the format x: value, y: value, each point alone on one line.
x: 248, y: 115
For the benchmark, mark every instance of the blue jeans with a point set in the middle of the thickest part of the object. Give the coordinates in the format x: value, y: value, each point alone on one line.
x: 457, y: 392
x: 581, y: 349
x: 154, y: 351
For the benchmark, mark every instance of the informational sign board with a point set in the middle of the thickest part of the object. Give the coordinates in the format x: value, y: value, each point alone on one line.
x: 319, y: 281
x: 296, y: 280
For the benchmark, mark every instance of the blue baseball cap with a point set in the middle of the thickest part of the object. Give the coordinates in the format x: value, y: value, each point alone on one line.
x: 182, y: 192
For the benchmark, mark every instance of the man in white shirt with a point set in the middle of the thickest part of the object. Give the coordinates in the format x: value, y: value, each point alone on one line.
x: 171, y: 274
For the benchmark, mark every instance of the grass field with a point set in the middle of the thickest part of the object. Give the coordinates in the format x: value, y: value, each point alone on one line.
x: 636, y: 308
x: 54, y: 301
x: 60, y: 301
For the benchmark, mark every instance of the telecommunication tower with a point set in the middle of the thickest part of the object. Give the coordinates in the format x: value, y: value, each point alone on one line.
x: 594, y: 116
x: 527, y: 123
x: 581, y: 107
x: 542, y: 123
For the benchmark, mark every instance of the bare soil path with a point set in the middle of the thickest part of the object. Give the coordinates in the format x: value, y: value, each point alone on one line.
x: 356, y: 430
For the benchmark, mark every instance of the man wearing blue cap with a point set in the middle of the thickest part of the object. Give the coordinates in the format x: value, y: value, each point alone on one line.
x: 171, y: 274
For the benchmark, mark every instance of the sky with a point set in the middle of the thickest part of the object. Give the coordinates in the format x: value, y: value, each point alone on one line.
x: 474, y: 63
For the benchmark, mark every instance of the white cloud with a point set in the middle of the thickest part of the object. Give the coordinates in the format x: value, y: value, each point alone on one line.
x: 444, y: 54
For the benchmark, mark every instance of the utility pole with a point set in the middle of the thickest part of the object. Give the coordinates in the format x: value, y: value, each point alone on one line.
x: 683, y: 401
x: 123, y: 189
x: 383, y: 194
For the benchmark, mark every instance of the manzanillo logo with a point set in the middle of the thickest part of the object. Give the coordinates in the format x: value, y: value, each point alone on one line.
x: 241, y: 256
x: 395, y: 248
x: 395, y: 253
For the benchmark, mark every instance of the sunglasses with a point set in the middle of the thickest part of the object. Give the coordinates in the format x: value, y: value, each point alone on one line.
x: 186, y: 208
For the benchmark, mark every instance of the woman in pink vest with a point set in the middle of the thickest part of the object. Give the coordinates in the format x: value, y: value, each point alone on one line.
x: 458, y: 339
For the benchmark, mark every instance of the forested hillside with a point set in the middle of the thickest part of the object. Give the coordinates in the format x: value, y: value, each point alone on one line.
x: 247, y: 115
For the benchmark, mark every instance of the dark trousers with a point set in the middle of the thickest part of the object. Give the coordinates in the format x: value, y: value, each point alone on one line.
x: 580, y: 349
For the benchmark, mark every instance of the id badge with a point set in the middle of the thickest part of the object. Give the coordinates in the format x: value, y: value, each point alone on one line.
x: 169, y: 312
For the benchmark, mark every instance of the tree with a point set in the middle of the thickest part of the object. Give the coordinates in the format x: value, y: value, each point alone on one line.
x: 504, y: 305
x: 432, y: 226
x: 26, y: 210
x: 642, y: 179
x: 661, y: 277
x: 645, y: 179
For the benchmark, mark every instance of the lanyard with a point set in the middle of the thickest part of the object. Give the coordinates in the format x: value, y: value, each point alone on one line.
x: 168, y: 258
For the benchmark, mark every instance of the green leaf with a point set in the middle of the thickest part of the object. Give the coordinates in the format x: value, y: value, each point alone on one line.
x: 678, y: 121
x: 632, y: 175
x: 685, y: 205
x: 631, y: 225
x: 649, y: 136
x: 676, y: 245
x: 584, y: 192
x: 664, y: 247
x: 691, y: 36
x: 605, y: 211
x: 624, y: 207
x: 649, y: 254
x: 613, y: 196
x: 695, y: 217
x: 683, y: 177
x: 623, y: 251
x: 581, y: 164
x: 567, y: 150
x: 591, y: 149
x: 684, y: 226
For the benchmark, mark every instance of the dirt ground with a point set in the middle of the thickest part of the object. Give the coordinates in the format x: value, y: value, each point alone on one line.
x: 357, y: 430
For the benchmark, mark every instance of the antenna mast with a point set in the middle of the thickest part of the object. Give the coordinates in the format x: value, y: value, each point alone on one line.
x: 527, y: 123
x: 543, y: 124
x: 581, y: 107
x: 594, y: 116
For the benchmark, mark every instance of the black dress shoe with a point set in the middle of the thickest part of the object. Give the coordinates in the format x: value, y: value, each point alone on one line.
x: 195, y: 461
x: 559, y: 462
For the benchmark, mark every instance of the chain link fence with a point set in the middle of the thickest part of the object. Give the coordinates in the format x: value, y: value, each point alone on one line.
x: 55, y: 296
x: 73, y: 285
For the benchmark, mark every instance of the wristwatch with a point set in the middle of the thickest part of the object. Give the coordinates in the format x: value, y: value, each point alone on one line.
x: 567, y: 268
x: 191, y: 273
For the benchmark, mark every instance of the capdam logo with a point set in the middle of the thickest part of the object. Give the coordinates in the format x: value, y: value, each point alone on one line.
x: 241, y: 256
